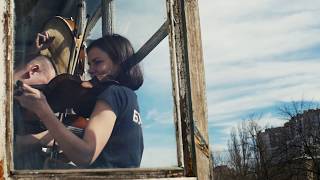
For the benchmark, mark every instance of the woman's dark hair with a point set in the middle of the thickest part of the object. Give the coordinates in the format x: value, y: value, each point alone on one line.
x: 120, y: 50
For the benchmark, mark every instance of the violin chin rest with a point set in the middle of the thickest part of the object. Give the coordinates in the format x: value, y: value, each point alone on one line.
x: 86, y: 84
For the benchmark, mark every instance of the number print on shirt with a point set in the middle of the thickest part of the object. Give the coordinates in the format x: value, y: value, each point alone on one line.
x: 136, y: 117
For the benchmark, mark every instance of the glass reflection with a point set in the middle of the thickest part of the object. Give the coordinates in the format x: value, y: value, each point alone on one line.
x: 47, y: 46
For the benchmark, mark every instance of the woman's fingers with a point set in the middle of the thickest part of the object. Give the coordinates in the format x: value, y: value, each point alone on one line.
x: 47, y: 34
x: 25, y: 96
x: 27, y: 88
x: 29, y: 94
x: 32, y: 101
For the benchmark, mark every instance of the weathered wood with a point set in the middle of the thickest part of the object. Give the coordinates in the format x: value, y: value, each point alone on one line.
x: 107, y: 16
x: 6, y: 57
x: 197, y: 79
x: 1, y: 170
x: 178, y: 53
x: 201, y: 142
x: 175, y: 82
x: 187, y: 51
x: 134, y: 173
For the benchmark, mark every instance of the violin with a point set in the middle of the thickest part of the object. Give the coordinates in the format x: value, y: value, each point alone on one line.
x: 72, y: 122
x: 67, y: 91
x: 64, y: 92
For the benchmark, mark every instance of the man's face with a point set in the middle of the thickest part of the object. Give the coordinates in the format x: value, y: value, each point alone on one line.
x: 34, y: 72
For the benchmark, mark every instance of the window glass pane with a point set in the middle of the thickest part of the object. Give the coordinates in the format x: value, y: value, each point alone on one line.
x: 35, y: 66
x: 157, y: 109
x: 139, y: 20
x: 96, y: 33
x: 33, y: 146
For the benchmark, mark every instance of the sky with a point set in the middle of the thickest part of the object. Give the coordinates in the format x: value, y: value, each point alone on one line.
x: 258, y: 55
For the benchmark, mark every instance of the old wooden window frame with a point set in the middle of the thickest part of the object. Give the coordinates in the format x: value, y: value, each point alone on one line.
x: 187, y: 71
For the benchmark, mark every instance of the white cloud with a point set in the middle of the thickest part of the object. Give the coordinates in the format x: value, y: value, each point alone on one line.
x: 268, y: 120
x: 262, y: 70
x: 246, y: 47
x: 138, y: 20
x: 233, y: 30
x: 155, y: 116
x: 245, y: 42
x: 236, y: 41
x: 156, y: 67
x: 278, y: 88
x: 159, y: 157
x: 219, y: 147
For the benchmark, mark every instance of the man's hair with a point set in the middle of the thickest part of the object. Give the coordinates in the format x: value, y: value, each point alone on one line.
x: 119, y: 50
x: 45, y: 63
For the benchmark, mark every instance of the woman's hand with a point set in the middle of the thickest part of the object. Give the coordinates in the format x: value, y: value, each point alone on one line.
x: 33, y: 100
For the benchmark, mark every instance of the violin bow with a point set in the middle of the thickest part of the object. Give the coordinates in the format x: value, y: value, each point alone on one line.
x: 79, y: 36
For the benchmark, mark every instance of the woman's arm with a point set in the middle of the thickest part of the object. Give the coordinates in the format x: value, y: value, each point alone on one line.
x: 84, y: 151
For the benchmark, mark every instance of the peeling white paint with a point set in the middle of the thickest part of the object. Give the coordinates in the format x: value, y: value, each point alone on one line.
x: 2, y: 82
x: 5, y: 39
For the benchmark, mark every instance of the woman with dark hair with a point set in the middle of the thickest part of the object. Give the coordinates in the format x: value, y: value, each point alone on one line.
x: 118, y: 49
x: 113, y: 137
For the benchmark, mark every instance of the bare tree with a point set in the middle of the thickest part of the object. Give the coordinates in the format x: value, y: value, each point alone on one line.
x: 292, y: 109
x: 291, y: 151
x: 260, y: 164
x: 221, y: 166
x: 248, y: 153
x: 240, y: 152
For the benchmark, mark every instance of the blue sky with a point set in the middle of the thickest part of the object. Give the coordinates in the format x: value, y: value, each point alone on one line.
x: 257, y: 55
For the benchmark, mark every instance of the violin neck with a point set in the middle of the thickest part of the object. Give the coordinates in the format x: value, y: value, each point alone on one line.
x: 77, y: 131
x: 40, y: 87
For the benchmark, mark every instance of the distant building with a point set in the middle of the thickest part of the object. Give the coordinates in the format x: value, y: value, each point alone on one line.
x: 295, y: 146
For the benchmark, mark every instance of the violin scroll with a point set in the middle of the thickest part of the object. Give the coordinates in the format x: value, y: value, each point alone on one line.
x: 18, y: 90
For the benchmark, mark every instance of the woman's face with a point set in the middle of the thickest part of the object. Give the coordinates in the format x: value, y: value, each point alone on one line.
x: 100, y: 64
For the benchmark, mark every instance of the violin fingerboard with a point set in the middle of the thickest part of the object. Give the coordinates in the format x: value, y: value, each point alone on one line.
x: 77, y: 131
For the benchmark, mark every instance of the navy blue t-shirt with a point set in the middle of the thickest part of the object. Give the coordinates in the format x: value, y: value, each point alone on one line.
x: 125, y: 146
